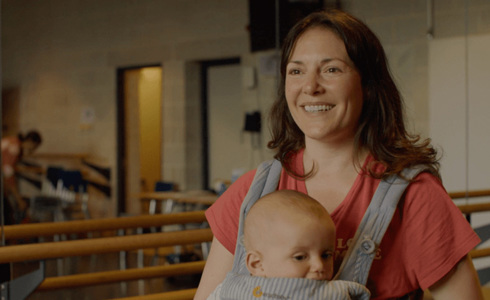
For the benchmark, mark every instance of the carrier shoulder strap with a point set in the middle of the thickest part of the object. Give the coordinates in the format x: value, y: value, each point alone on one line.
x: 358, y: 260
x: 265, y: 181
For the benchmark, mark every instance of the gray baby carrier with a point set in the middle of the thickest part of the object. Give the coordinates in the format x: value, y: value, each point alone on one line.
x: 349, y: 283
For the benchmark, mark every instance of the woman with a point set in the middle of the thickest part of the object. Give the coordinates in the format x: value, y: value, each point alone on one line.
x: 338, y: 128
x: 13, y: 148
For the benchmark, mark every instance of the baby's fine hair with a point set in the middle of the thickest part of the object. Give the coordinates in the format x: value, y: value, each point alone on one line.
x: 296, y: 201
x: 293, y: 202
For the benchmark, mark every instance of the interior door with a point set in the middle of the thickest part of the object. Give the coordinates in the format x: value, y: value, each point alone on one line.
x: 228, y: 148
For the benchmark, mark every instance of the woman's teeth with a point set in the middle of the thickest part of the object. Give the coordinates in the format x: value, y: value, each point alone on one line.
x: 318, y: 108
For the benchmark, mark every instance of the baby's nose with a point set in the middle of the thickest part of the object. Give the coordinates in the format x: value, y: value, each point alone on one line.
x: 319, y: 268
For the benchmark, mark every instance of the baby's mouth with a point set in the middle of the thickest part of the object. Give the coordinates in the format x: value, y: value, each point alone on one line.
x: 318, y: 108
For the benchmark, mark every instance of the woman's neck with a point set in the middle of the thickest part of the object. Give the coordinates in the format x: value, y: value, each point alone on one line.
x: 331, y: 157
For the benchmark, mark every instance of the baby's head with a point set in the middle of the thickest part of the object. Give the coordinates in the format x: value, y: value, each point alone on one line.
x: 289, y: 234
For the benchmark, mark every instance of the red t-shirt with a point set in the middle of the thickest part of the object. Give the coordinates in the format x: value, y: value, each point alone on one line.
x: 428, y: 234
x: 11, y: 147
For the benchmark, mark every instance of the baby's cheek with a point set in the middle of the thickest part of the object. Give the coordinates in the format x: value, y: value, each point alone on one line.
x: 330, y: 269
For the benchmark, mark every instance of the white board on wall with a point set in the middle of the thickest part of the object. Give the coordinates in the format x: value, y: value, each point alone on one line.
x: 227, y: 148
x: 459, y: 109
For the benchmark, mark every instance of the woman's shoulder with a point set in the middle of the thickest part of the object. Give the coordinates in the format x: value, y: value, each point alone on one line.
x: 425, y: 181
x: 426, y: 195
x: 244, y: 181
x: 223, y: 216
x: 235, y: 193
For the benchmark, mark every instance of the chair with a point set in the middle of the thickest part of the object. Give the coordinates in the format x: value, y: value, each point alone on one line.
x: 53, y: 174
x: 63, y: 193
x: 162, y: 186
x: 73, y: 193
x: 46, y: 206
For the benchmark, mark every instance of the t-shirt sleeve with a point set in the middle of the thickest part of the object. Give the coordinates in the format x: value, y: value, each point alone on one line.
x: 223, y: 216
x: 436, y: 233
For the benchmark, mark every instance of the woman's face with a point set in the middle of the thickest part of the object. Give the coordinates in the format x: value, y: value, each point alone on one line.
x: 323, y: 87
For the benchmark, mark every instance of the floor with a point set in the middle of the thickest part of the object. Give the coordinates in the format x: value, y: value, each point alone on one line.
x: 103, y: 262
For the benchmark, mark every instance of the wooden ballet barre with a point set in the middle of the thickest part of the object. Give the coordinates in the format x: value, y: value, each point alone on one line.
x: 46, y: 155
x: 96, y: 278
x: 40, y: 251
x: 187, y: 294
x: 82, y: 226
x: 469, y: 194
x: 477, y: 253
x: 472, y: 208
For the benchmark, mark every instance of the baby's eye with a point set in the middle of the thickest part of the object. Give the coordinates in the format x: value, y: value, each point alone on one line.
x: 299, y: 257
x: 326, y: 255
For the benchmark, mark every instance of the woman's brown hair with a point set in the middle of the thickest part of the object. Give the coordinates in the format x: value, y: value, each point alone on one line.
x: 381, y: 129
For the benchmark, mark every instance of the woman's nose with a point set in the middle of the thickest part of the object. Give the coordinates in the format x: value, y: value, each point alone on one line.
x: 312, y: 85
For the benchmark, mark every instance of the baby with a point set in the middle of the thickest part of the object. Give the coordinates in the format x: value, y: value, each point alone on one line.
x: 288, y: 234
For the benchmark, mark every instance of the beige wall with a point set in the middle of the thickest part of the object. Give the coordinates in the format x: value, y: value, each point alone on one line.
x: 62, y: 55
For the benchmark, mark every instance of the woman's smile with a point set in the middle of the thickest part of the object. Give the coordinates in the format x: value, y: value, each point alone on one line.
x: 318, y: 108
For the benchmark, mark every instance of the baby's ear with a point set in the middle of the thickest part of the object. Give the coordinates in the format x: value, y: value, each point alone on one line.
x: 254, y: 263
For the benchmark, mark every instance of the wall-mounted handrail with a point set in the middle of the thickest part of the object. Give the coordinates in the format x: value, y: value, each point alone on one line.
x: 477, y: 253
x: 469, y: 194
x: 40, y: 251
x: 96, y: 278
x: 47, y: 250
x: 473, y: 208
x: 34, y: 230
x: 468, y: 209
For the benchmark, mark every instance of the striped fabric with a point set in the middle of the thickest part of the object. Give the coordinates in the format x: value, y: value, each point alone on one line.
x: 247, y: 287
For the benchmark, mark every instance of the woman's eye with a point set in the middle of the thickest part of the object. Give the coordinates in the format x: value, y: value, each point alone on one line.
x: 332, y: 70
x: 294, y: 72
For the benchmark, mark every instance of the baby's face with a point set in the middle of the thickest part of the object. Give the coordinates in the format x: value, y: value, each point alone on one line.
x: 301, y: 248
